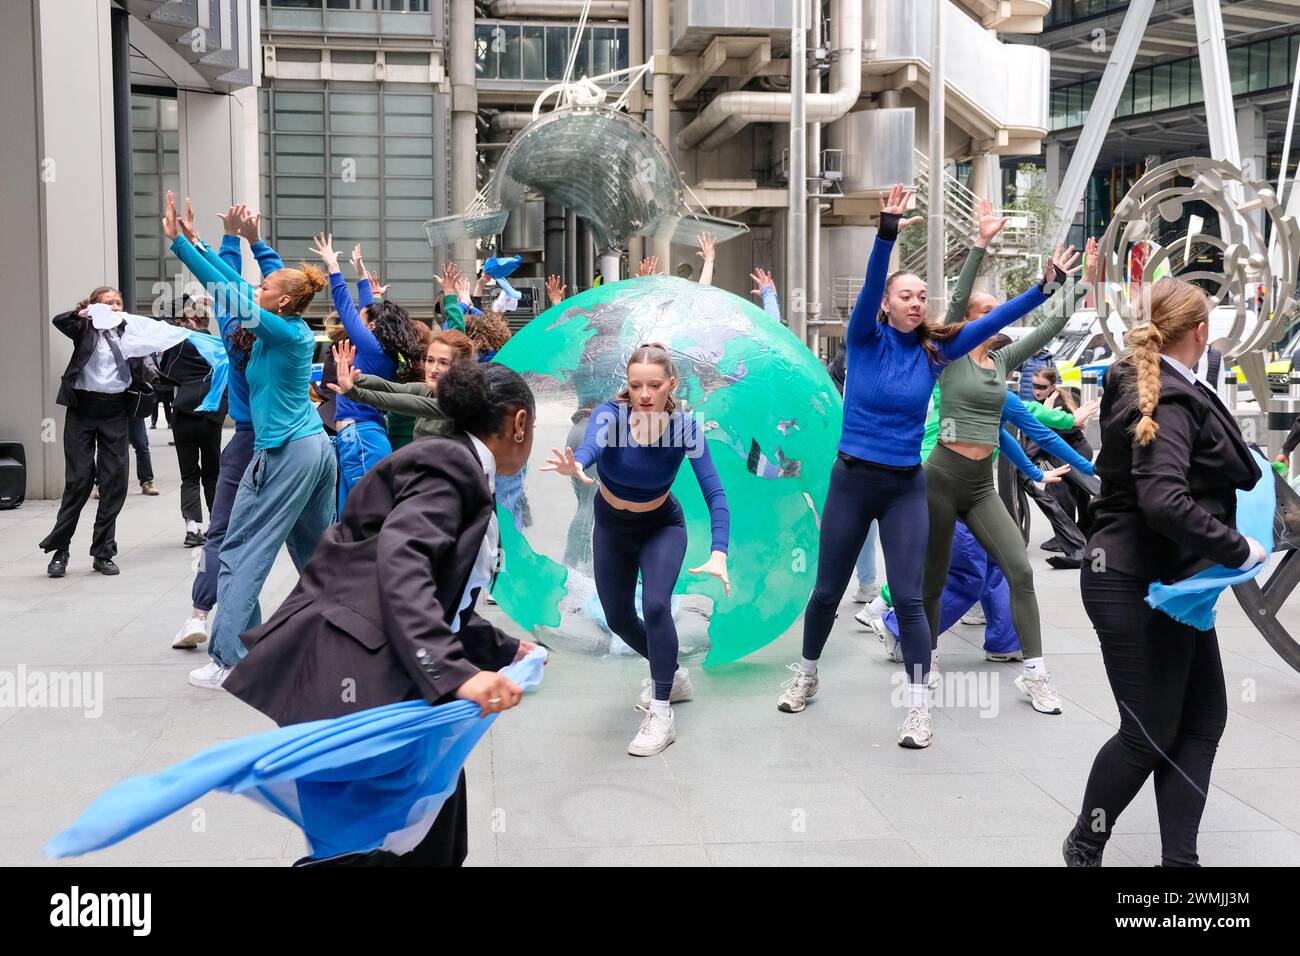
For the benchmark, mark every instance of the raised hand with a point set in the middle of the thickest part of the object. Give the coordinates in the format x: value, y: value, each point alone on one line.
x: 762, y: 280
x: 990, y: 224
x: 450, y: 279
x: 1053, y: 475
x: 1084, y: 413
x: 1090, y: 261
x: 357, y: 263
x: 480, y: 284
x: 379, y: 289
x: 462, y: 291
x: 707, y: 244
x: 1062, y: 263
x: 230, y: 220
x: 323, y: 246
x: 186, y: 223
x: 170, y: 224
x: 896, y: 202
x: 649, y: 266
x: 250, y: 224
x: 562, y: 463
x: 554, y: 290
x: 344, y: 353
x: 716, y: 566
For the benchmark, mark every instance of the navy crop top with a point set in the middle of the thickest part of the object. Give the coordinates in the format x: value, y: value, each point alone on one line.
x: 644, y: 472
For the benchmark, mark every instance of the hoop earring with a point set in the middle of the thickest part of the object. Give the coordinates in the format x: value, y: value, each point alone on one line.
x: 519, y: 438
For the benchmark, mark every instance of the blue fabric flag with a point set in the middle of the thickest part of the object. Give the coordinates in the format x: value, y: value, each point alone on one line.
x: 500, y: 267
x: 213, y: 350
x: 1191, y: 601
x: 371, y: 780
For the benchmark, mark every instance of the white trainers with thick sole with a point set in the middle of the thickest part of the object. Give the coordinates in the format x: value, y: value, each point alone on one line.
x: 975, y: 616
x: 683, y: 689
x: 916, y: 731
x: 1041, y: 693
x: 866, y: 593
x: 1003, y: 657
x: 932, y: 678
x: 192, y: 634
x: 654, y: 735
x: 797, y: 690
x: 210, y: 676
x: 893, y: 649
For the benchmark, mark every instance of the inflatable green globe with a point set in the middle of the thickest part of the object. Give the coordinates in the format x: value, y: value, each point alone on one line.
x: 771, y: 415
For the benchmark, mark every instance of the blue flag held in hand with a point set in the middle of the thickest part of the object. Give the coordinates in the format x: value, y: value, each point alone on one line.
x: 1192, y: 600
x: 367, y: 781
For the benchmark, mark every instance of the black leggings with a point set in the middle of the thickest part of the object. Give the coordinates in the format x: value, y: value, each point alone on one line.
x: 198, y: 450
x: 1168, y: 682
x: 860, y: 493
x: 654, y: 543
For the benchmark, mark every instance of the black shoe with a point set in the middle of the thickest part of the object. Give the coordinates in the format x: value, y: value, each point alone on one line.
x: 194, y: 539
x: 1077, y: 852
x: 1064, y: 564
x: 58, y: 566
x: 1051, y: 544
x: 106, y: 566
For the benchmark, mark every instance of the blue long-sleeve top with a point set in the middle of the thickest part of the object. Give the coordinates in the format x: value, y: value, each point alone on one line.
x: 371, y: 357
x: 644, y: 472
x: 771, y: 304
x: 890, y: 376
x: 1016, y: 413
x: 268, y: 260
x: 279, y: 369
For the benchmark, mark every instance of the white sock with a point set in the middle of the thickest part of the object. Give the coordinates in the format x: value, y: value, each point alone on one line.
x: 920, y: 697
x: 1035, y: 667
x: 191, y: 526
x: 661, y: 707
x: 808, y: 667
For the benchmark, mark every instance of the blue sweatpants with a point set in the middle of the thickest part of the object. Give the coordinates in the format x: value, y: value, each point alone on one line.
x: 360, y: 446
x: 862, y: 492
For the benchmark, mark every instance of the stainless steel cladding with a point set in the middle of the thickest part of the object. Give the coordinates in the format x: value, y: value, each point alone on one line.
x: 878, y: 148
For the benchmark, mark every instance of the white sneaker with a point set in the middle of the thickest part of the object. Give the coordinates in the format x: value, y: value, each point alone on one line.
x: 916, y: 731
x: 210, y: 676
x: 192, y: 634
x: 866, y: 593
x: 1041, y: 693
x: 932, y: 678
x: 1002, y: 657
x: 975, y: 615
x: 866, y: 616
x: 893, y: 649
x: 654, y: 735
x: 797, y: 690
x: 489, y: 598
x: 683, y: 689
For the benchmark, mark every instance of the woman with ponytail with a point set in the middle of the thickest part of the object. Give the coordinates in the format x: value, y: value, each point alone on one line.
x: 286, y: 496
x: 1172, y: 461
x: 382, y: 335
x: 387, y: 604
x: 639, y: 439
x: 894, y: 357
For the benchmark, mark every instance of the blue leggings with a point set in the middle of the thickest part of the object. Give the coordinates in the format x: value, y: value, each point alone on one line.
x: 654, y: 543
x: 862, y: 492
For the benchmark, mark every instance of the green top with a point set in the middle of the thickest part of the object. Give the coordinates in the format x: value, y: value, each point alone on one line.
x: 1057, y: 419
x: 453, y: 312
x: 972, y: 396
x: 407, y: 398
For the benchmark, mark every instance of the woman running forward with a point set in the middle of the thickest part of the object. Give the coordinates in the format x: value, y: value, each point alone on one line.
x: 894, y: 359
x: 640, y: 439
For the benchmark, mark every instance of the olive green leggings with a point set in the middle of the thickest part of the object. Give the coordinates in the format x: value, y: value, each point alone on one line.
x: 959, y: 487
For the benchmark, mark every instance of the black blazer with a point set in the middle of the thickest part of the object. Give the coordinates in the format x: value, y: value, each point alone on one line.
x: 83, y: 346
x: 184, y: 369
x: 369, y: 621
x: 1168, y: 510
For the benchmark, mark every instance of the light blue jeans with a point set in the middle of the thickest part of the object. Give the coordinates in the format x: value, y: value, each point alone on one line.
x: 867, y: 557
x: 360, y: 446
x: 286, y: 497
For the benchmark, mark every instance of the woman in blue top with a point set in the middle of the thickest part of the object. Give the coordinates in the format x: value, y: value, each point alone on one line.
x: 639, y: 439
x: 382, y: 335
x: 895, y: 356
x: 286, y: 496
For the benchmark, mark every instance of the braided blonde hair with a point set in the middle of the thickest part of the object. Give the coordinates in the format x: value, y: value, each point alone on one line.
x: 1173, y: 308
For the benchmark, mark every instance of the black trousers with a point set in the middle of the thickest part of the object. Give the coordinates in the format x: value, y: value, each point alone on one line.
x: 198, y: 450
x: 1168, y: 682
x: 1068, y: 534
x: 92, y: 430
x: 446, y: 843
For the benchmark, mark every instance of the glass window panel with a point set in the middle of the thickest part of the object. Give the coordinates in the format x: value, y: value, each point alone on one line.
x: 414, y: 188
x: 602, y: 51
x: 367, y: 207
x: 414, y: 249
x: 411, y: 292
x: 1195, y: 88
x: 358, y: 189
x: 300, y: 122
x: 407, y: 146
x: 405, y: 206
x: 1160, y: 87
x: 312, y: 187
x: 1279, y: 61
x: 303, y: 165
x: 300, y: 205
x: 299, y: 102
x: 533, y: 48
x: 1125, y: 105
x: 144, y: 112
x: 407, y: 105
x: 357, y: 230
x: 1089, y: 94
x: 168, y: 118
x: 1074, y: 101
x: 621, y: 39
x: 354, y: 103
x: 354, y: 123
x: 170, y: 140
x: 485, y: 55
x: 408, y: 229
x: 294, y: 230
x: 297, y: 144
x: 409, y: 124
x: 582, y: 66
x: 144, y: 139
x: 509, y: 52
x: 354, y: 145
x: 145, y: 163
x: 1239, y: 68
x: 354, y: 167
x: 409, y: 166
x: 171, y: 163
x: 1179, y: 94
x: 416, y: 271
x: 557, y: 51
x: 1258, y: 67
x: 1141, y: 92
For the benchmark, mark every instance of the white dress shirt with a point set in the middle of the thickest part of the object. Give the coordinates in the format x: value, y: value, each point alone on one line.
x: 102, y: 372
x: 485, y: 564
